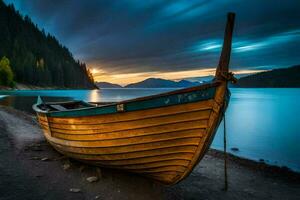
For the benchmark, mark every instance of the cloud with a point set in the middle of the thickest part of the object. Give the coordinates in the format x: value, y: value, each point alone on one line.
x: 133, y: 36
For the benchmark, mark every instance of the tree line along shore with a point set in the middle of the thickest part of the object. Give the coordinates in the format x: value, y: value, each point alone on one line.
x: 31, y: 56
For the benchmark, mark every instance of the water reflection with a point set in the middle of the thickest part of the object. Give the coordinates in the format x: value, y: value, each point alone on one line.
x: 94, y: 96
x: 264, y: 124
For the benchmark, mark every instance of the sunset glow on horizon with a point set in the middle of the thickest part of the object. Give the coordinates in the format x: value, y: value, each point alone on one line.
x: 128, y: 78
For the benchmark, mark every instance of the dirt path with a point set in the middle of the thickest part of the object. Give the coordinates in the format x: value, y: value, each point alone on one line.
x: 31, y: 169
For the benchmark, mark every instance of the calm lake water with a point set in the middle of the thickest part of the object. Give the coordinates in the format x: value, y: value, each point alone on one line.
x: 261, y: 123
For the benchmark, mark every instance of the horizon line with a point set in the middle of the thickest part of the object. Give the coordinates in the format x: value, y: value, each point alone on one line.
x: 130, y: 78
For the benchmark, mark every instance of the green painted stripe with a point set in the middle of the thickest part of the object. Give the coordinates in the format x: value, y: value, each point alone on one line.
x: 156, y: 102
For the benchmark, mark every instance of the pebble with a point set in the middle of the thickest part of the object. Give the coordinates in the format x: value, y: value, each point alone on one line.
x: 75, y: 190
x: 44, y: 159
x: 235, y: 149
x: 92, y: 179
x: 66, y: 166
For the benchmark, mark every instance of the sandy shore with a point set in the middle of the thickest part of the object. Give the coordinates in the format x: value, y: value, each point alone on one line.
x: 31, y: 169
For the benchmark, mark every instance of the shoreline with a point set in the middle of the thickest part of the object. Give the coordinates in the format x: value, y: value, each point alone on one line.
x: 34, y: 170
x: 20, y: 86
x: 253, y: 164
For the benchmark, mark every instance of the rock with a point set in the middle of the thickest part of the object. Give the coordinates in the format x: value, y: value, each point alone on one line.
x: 45, y: 159
x: 66, y: 166
x: 234, y: 149
x: 261, y: 160
x: 92, y: 179
x: 75, y: 190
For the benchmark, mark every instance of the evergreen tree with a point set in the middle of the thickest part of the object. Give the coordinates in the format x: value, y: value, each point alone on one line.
x: 6, y: 74
x: 38, y: 58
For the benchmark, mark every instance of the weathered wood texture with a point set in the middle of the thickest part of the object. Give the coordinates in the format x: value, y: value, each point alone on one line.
x: 162, y: 143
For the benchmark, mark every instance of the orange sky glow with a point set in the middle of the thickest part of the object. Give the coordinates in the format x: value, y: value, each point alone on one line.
x: 127, y: 78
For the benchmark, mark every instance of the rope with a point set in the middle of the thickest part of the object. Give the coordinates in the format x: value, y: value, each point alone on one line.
x: 228, y: 76
x: 225, y: 154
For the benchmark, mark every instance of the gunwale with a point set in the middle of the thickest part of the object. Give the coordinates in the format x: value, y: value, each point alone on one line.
x: 132, y: 103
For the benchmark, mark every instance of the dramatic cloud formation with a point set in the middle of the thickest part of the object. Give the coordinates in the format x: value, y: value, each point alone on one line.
x: 169, y: 38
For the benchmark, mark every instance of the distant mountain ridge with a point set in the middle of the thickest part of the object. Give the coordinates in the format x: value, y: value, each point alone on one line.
x: 162, y: 83
x: 107, y: 85
x: 151, y: 83
x: 277, y: 78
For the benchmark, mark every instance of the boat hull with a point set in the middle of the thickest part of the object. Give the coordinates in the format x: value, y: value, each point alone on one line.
x: 163, y: 142
x: 161, y: 136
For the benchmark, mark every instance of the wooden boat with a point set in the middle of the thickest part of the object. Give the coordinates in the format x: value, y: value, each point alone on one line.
x: 160, y: 136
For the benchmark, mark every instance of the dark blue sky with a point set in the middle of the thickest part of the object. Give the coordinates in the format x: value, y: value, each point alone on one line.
x: 139, y: 38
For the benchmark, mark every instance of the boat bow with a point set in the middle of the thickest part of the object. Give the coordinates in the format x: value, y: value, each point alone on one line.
x: 222, y: 72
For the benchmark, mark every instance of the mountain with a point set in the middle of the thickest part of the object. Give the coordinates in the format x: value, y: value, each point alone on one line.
x: 277, y: 78
x: 37, y: 58
x: 162, y: 83
x: 107, y: 85
x: 151, y: 83
x: 200, y: 79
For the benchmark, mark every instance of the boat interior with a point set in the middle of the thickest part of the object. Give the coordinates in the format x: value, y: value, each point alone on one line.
x: 70, y: 105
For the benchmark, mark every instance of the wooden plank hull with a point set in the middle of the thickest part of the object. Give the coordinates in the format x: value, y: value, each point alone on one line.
x: 164, y: 143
